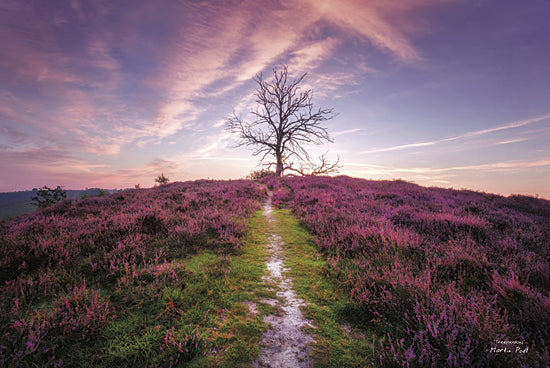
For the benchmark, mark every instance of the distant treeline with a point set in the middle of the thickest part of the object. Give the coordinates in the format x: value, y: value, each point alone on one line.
x: 17, y: 203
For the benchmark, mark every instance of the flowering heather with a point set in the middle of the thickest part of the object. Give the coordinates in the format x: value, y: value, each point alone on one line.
x: 445, y: 277
x: 68, y: 271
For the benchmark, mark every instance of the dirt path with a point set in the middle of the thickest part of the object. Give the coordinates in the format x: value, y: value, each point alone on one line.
x: 286, y: 345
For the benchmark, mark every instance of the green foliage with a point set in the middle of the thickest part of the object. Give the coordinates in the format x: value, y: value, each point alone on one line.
x: 94, y: 193
x: 260, y: 173
x: 161, y: 179
x: 46, y: 196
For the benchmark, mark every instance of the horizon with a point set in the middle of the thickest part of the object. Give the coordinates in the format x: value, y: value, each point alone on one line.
x: 535, y: 196
x: 449, y: 94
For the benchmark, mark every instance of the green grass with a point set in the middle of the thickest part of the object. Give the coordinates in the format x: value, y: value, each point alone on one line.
x: 328, y: 307
x: 203, y: 308
x: 200, y: 301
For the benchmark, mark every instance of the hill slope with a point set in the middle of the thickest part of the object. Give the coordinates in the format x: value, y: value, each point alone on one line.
x: 159, y: 277
x: 137, y: 278
x: 446, y: 277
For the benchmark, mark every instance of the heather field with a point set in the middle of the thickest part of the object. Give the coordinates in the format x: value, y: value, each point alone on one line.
x: 437, y: 277
x: 137, y: 278
x: 393, y: 274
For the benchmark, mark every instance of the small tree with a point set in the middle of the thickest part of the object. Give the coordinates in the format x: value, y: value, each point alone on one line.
x: 46, y: 196
x: 90, y: 193
x: 161, y: 179
x: 284, y: 122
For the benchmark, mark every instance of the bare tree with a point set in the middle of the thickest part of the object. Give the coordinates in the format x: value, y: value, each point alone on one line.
x: 284, y: 122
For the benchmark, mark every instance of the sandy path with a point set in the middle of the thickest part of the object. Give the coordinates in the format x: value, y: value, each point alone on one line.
x: 286, y: 345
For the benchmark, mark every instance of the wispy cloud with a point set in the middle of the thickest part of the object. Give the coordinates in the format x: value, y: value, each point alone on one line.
x: 222, y: 46
x: 347, y: 131
x: 310, y: 56
x: 503, y: 166
x: 476, y: 133
x: 215, y: 143
x: 500, y: 166
x: 78, y: 88
x: 216, y: 47
x: 373, y: 21
x: 402, y: 147
x: 515, y: 124
x: 517, y: 140
x: 225, y: 158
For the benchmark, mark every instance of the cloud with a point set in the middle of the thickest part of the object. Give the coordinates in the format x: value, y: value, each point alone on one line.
x: 223, y: 45
x: 511, y: 141
x: 54, y: 91
x: 218, y: 50
x: 225, y: 158
x: 152, y: 168
x: 78, y: 87
x: 402, y: 147
x: 370, y: 21
x: 310, y: 56
x: 12, y: 135
x: 515, y: 124
x: 35, y: 156
x: 343, y: 132
x: 213, y: 49
x: 476, y: 133
x: 100, y: 56
x: 503, y: 166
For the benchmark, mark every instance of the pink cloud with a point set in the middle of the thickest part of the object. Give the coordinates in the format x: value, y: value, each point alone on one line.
x: 225, y: 45
x: 200, y: 54
x: 368, y: 20
x: 70, y: 84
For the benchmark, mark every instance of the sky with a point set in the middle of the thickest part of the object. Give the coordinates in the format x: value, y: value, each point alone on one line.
x: 110, y: 94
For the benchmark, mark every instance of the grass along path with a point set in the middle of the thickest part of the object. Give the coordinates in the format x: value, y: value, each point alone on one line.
x: 218, y: 305
x: 210, y: 303
x: 286, y: 344
x: 337, y: 343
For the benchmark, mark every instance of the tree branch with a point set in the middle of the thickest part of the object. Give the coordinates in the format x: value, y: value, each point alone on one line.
x: 284, y: 121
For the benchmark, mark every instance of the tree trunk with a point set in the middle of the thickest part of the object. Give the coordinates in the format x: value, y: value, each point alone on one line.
x: 279, y: 170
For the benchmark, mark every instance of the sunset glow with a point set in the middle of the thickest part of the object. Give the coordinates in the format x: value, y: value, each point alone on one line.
x: 112, y: 94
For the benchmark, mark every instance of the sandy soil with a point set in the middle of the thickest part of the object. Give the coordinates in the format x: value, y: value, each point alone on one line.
x: 286, y: 345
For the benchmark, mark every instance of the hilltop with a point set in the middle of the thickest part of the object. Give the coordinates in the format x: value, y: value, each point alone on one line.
x: 391, y: 273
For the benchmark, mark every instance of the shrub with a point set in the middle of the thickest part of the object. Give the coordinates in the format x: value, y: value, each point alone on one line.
x: 259, y: 174
x: 161, y: 180
x: 46, y: 196
x: 47, y: 335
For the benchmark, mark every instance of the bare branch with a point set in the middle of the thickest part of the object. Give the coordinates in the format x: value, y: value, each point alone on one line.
x: 284, y: 122
x: 324, y: 167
